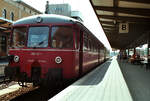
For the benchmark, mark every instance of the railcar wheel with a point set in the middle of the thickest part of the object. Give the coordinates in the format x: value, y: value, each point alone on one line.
x: 36, y: 82
x: 36, y: 73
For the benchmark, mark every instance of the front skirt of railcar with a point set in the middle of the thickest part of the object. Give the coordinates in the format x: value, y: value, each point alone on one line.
x: 53, y: 76
x: 47, y: 68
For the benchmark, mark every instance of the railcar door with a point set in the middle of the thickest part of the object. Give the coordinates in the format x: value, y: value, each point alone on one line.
x: 81, y: 53
x: 98, y: 55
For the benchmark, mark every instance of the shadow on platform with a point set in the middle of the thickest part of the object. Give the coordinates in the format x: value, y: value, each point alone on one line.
x: 95, y: 76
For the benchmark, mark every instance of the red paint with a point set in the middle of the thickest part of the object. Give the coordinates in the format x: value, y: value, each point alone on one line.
x: 45, y: 57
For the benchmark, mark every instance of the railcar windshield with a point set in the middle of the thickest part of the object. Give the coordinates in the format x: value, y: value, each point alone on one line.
x: 19, y: 37
x: 62, y: 37
x: 38, y: 37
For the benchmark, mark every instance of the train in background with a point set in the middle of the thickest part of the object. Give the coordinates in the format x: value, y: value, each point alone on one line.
x: 52, y: 48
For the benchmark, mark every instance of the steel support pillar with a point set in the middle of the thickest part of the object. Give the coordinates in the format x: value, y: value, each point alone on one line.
x: 128, y: 52
x: 134, y: 51
x: 148, y: 46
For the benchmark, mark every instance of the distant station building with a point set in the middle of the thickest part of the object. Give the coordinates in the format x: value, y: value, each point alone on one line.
x: 62, y: 9
x: 11, y: 10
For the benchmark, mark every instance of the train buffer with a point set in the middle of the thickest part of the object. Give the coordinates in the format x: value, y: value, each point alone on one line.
x: 105, y: 83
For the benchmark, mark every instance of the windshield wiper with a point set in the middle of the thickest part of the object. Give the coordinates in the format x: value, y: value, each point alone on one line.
x: 40, y: 43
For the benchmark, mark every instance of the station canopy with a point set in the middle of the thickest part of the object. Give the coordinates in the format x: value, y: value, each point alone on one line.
x: 5, y: 25
x: 126, y: 23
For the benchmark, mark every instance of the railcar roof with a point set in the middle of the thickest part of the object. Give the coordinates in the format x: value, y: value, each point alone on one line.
x: 46, y: 18
x: 50, y: 18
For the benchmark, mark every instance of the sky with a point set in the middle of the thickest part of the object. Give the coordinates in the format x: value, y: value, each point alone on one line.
x: 84, y: 6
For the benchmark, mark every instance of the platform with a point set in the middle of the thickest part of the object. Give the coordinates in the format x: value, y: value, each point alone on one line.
x: 138, y: 80
x: 105, y: 83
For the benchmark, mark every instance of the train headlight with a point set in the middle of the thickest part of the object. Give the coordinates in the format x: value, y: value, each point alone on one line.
x: 16, y: 58
x: 39, y: 19
x: 58, y: 60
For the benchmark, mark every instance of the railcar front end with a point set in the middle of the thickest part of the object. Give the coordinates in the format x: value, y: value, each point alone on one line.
x: 43, y: 52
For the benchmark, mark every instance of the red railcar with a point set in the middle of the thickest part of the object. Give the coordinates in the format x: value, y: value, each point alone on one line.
x: 52, y: 48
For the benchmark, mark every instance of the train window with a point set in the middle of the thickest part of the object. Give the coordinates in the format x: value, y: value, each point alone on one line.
x: 62, y: 37
x: 92, y: 48
x: 85, y: 42
x: 19, y: 37
x: 38, y: 37
x: 85, y: 46
x: 90, y: 45
x: 76, y: 39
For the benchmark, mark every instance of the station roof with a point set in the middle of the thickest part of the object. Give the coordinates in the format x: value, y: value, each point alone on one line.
x: 5, y: 25
x: 136, y: 13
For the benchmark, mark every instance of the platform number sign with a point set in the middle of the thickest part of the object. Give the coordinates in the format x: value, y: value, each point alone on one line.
x: 123, y: 27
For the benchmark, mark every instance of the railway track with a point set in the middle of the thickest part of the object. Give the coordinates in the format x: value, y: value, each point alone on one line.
x: 41, y: 93
x: 14, y: 91
x: 4, y: 80
x: 28, y: 93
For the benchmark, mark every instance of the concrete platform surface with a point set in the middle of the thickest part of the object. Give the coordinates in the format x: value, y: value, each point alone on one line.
x: 9, y: 89
x: 138, y: 80
x: 101, y: 84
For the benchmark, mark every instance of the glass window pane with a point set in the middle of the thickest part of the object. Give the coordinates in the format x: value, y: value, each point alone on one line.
x: 19, y: 37
x: 62, y: 37
x: 38, y: 37
x: 85, y: 42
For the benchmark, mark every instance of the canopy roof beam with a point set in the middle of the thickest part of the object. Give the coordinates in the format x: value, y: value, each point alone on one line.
x: 125, y: 18
x: 135, y: 11
x: 137, y: 1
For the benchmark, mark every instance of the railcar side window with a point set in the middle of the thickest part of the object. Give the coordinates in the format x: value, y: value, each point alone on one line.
x: 85, y: 42
x: 19, y: 37
x: 90, y: 45
x: 38, y: 37
x: 62, y: 37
